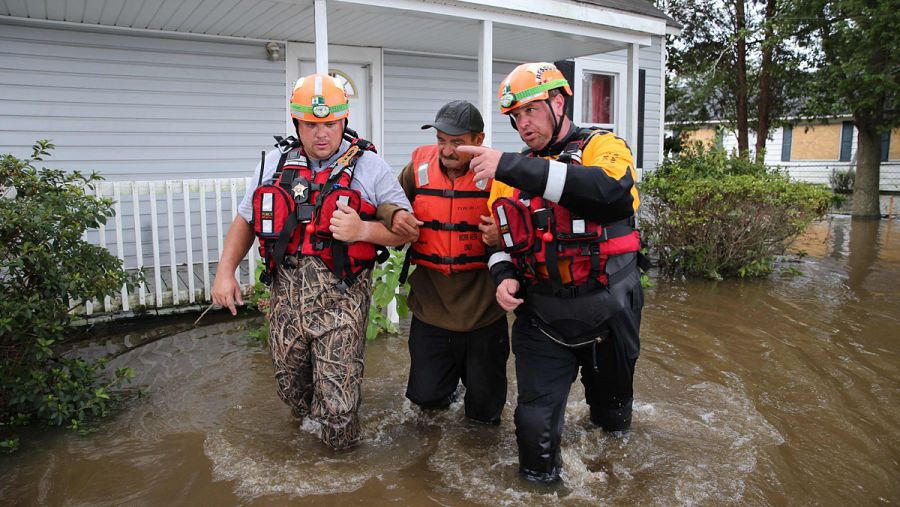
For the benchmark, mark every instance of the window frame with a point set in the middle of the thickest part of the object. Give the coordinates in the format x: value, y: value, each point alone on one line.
x: 617, y: 70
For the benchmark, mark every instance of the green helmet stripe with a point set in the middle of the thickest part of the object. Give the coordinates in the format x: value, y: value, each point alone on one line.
x: 549, y: 85
x: 300, y: 108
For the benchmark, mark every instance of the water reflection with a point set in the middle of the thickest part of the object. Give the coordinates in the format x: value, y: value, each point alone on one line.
x: 777, y: 391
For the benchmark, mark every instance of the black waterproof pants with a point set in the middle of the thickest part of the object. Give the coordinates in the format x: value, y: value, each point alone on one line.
x: 545, y: 371
x: 439, y: 359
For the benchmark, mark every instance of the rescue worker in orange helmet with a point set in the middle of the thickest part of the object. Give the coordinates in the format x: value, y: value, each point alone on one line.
x: 458, y: 331
x: 567, y: 265
x: 312, y: 204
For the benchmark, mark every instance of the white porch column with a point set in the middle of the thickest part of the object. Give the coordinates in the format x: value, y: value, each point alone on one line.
x: 321, y: 16
x: 631, y: 91
x: 485, y: 76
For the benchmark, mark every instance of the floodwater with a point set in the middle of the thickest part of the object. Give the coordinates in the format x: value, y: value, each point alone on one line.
x: 783, y: 391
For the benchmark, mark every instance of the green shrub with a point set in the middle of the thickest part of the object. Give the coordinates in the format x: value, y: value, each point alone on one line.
x: 842, y: 181
x: 710, y: 214
x: 45, y: 265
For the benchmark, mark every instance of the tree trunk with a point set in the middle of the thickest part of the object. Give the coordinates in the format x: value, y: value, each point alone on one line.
x: 866, y: 203
x: 765, y: 73
x: 741, y: 81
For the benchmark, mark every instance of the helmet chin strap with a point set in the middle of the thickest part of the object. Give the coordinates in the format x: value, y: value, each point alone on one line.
x: 557, y: 125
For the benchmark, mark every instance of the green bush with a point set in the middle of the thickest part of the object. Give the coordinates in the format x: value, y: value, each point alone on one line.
x: 710, y: 214
x: 842, y: 181
x: 45, y: 264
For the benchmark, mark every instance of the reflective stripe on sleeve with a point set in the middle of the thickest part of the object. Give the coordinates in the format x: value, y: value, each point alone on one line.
x: 556, y: 180
x: 497, y: 258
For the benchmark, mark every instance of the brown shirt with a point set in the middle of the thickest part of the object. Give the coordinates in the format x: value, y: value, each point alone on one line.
x: 459, y: 302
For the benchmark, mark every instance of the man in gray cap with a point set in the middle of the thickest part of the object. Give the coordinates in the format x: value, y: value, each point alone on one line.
x: 458, y: 331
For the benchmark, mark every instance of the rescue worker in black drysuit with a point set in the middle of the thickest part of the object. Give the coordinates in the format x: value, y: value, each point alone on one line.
x: 567, y: 264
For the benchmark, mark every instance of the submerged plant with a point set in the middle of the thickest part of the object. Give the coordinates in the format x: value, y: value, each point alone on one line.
x: 387, y: 284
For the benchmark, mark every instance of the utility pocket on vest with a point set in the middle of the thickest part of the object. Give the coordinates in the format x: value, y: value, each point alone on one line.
x: 514, y: 227
x: 272, y: 205
x: 346, y: 196
x: 572, y: 229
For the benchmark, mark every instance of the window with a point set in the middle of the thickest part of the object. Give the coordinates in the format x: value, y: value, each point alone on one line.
x: 346, y: 82
x: 820, y: 141
x: 599, y: 94
x: 885, y: 145
x: 598, y: 98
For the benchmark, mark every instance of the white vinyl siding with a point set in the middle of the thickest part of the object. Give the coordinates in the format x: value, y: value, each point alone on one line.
x: 651, y: 62
x: 416, y: 86
x: 136, y: 107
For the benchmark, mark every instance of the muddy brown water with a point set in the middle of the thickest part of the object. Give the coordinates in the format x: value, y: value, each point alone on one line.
x: 783, y: 391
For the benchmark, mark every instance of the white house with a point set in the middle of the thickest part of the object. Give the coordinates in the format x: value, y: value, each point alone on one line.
x: 808, y: 149
x: 173, y: 100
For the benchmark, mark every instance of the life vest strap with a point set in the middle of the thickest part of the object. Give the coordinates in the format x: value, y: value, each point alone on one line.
x: 448, y: 226
x: 404, y: 271
x: 592, y: 286
x: 452, y: 194
x: 440, y: 259
x: 286, y: 144
x: 617, y: 229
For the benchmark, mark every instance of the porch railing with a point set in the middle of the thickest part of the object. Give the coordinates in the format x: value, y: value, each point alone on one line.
x: 174, y: 231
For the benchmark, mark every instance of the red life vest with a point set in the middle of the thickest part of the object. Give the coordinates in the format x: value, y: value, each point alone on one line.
x: 449, y: 240
x: 292, y: 212
x: 550, y: 244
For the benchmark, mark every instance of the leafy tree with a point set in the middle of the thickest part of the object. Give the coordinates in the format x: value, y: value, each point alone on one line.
x: 854, y: 47
x: 44, y: 265
x: 731, y: 63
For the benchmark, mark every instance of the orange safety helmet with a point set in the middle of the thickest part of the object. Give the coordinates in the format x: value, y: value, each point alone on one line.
x: 530, y: 82
x: 319, y: 98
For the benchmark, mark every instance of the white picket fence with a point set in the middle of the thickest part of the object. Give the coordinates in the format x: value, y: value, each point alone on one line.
x: 174, y: 231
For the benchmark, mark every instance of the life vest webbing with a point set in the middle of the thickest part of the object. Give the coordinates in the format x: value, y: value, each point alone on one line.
x: 448, y: 226
x: 439, y: 259
x: 450, y: 193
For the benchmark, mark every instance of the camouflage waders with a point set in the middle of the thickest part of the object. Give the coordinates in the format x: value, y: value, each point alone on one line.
x: 317, y: 338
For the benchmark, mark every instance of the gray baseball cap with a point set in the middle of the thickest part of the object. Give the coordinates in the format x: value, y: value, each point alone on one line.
x: 457, y: 118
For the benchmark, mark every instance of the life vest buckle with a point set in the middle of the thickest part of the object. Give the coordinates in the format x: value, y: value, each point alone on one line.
x: 542, y: 218
x: 305, y: 213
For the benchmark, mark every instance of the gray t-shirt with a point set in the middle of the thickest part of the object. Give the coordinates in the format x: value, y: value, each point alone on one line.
x: 372, y: 178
